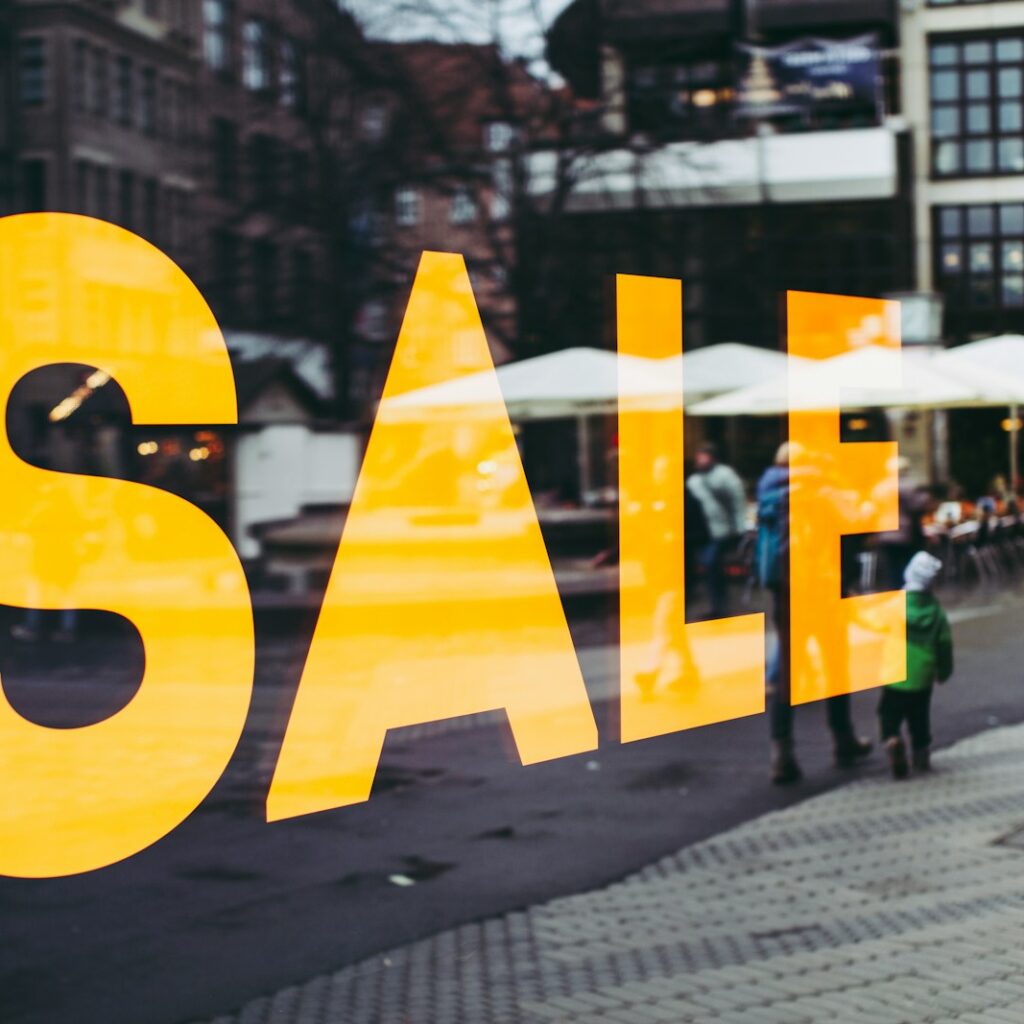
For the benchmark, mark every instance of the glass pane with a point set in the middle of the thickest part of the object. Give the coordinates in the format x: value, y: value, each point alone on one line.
x: 1011, y: 219
x: 978, y: 119
x: 1009, y: 49
x: 945, y: 53
x: 950, y: 221
x: 979, y: 155
x: 945, y: 85
x: 1010, y: 119
x: 981, y: 258
x: 978, y: 52
x: 1013, y: 290
x: 982, y: 291
x: 1009, y: 81
x: 980, y: 221
x: 947, y: 158
x: 952, y: 258
x: 978, y: 83
x: 945, y: 121
x: 1013, y: 257
x: 1011, y: 154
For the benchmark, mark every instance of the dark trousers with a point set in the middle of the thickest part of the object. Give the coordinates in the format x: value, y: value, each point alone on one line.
x: 837, y: 709
x: 911, y: 706
x: 712, y: 561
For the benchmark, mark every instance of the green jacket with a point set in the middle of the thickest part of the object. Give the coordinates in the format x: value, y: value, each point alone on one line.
x: 929, y: 643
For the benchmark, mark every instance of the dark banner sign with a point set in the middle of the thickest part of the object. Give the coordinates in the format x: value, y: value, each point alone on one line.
x: 808, y: 75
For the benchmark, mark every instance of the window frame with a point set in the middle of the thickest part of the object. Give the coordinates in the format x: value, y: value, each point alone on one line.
x: 258, y: 56
x: 957, y: 285
x: 38, y: 98
x: 408, y: 206
x: 989, y: 101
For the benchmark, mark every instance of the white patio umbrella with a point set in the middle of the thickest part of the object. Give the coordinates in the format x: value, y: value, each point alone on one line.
x: 1003, y: 354
x: 873, y: 377
x: 715, y: 369
x: 996, y: 366
x: 572, y: 382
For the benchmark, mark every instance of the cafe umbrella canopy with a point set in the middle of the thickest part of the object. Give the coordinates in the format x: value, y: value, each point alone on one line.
x: 572, y: 382
x: 971, y: 376
x: 995, y: 367
x: 717, y: 369
x: 872, y: 377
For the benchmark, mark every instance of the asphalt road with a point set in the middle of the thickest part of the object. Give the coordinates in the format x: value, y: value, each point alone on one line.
x: 228, y: 907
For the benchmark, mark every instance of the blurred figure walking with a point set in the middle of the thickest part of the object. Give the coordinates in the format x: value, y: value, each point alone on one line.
x: 720, y: 492
x: 772, y: 563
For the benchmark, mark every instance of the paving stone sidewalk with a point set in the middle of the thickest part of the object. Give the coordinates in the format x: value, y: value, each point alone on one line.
x: 881, y: 902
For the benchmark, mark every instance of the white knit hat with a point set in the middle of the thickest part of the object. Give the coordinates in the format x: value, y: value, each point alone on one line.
x: 921, y: 571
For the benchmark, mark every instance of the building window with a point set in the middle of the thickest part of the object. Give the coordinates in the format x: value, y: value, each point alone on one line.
x: 463, y: 206
x: 980, y: 255
x: 225, y: 157
x: 302, y: 280
x: 503, y: 181
x: 180, y: 107
x: 217, y: 18
x: 80, y: 76
x: 256, y: 55
x: 32, y: 71
x: 290, y: 75
x: 34, y: 198
x: 407, y: 207
x: 126, y: 200
x: 299, y: 183
x: 125, y: 101
x: 176, y: 217
x: 225, y: 269
x: 977, y: 105
x: 100, y: 84
x: 148, y: 105
x: 681, y: 95
x: 103, y: 193
x: 264, y: 275
x: 373, y: 121
x: 150, y: 209
x: 263, y: 168
x: 498, y: 137
x: 82, y: 186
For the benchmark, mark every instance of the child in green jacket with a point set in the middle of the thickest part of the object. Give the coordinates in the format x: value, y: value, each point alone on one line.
x: 929, y: 658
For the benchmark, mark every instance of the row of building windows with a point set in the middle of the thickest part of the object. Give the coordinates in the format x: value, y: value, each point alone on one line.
x: 980, y: 255
x: 262, y: 170
x: 108, y: 86
x: 272, y: 63
x: 977, y: 105
x: 141, y: 203
x: 281, y: 283
x: 462, y: 206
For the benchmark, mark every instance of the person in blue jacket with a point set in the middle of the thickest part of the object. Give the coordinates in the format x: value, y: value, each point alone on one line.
x: 771, y: 555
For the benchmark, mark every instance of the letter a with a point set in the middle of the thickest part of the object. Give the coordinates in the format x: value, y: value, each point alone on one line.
x: 441, y: 601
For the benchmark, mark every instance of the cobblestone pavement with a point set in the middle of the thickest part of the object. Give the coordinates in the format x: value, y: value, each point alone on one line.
x: 882, y: 902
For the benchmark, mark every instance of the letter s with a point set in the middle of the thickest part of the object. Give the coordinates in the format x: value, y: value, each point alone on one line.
x: 78, y: 290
